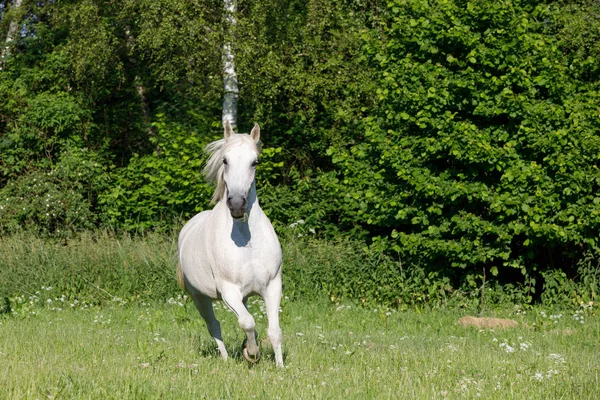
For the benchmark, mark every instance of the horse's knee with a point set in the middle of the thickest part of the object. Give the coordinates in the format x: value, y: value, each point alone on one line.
x: 275, y: 336
x: 246, y: 322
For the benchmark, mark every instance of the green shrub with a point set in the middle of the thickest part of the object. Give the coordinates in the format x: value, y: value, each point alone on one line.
x: 58, y: 202
x: 583, y: 288
x: 167, y: 184
x: 483, y: 149
x: 458, y: 137
x: 155, y: 188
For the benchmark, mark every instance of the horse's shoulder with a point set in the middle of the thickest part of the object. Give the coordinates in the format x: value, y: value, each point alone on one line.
x: 193, y: 223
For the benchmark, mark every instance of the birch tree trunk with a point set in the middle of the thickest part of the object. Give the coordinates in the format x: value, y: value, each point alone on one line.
x: 230, y: 82
x: 139, y: 88
x: 12, y: 32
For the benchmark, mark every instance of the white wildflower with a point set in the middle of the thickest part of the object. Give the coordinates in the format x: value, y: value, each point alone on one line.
x: 508, y: 348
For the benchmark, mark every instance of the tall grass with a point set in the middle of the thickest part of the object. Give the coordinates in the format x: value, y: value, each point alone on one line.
x: 95, y: 265
x: 101, y: 316
x: 101, y: 266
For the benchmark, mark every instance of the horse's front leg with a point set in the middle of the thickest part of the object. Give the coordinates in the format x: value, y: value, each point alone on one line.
x: 272, y: 297
x: 204, y: 306
x: 234, y: 300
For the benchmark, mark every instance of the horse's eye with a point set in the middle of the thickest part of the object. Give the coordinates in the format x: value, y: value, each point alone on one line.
x: 255, y: 163
x: 224, y: 161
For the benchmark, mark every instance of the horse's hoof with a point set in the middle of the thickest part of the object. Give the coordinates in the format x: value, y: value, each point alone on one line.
x: 248, y: 357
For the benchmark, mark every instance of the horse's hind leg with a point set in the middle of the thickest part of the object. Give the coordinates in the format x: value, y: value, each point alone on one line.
x: 233, y: 298
x: 272, y: 299
x: 204, y: 306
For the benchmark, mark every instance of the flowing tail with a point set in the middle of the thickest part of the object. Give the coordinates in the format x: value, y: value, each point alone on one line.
x: 180, y: 280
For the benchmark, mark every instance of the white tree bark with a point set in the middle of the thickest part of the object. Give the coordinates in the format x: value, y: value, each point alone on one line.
x: 139, y: 88
x: 230, y: 81
x: 12, y: 32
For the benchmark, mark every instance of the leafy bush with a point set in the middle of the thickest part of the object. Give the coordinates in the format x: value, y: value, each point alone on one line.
x: 156, y: 188
x: 460, y: 137
x: 483, y: 149
x: 312, y: 81
x: 560, y: 289
x: 59, y: 202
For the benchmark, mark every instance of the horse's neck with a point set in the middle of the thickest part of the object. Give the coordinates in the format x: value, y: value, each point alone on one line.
x: 252, y: 200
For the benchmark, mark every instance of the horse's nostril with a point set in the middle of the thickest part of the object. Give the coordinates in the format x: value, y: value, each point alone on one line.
x: 237, y: 203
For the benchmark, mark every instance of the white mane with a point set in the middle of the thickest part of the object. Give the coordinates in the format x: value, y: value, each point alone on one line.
x: 213, y: 171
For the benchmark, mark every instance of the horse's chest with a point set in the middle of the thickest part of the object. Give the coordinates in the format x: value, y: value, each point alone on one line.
x: 249, y: 267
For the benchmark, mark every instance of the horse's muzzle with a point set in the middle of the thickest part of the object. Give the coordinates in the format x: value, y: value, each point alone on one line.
x: 237, y: 206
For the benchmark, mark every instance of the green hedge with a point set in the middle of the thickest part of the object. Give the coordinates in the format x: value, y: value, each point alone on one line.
x: 483, y: 149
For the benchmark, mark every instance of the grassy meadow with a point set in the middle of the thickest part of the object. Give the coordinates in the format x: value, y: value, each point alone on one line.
x: 62, y: 349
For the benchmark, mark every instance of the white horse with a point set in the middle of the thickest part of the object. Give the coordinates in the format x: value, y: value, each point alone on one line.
x: 232, y: 252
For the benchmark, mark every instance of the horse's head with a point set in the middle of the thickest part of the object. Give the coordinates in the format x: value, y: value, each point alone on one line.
x: 240, y: 157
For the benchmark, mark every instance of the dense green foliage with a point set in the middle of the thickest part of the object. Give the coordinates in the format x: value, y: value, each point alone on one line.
x: 484, y: 148
x: 458, y: 141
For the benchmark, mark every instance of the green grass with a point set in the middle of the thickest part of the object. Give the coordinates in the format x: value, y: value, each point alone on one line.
x: 87, y: 319
x: 93, y: 266
x: 161, y: 350
x: 96, y: 266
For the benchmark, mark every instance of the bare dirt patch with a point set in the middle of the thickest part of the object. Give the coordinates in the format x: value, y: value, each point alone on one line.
x: 487, y: 323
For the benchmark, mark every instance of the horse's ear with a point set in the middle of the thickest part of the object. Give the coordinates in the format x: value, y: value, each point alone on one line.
x: 255, y: 134
x: 228, y: 131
